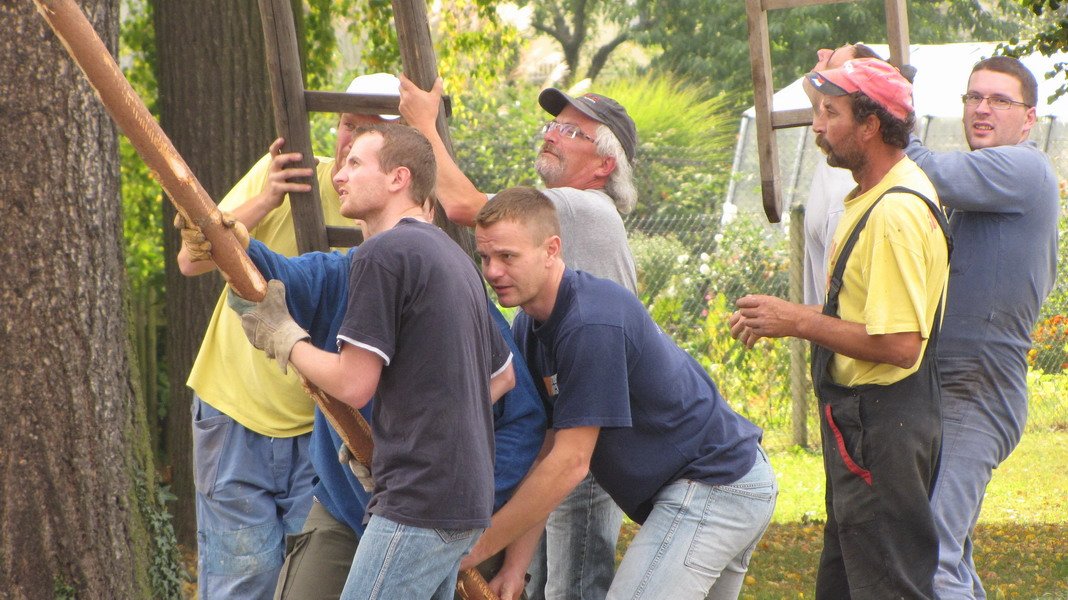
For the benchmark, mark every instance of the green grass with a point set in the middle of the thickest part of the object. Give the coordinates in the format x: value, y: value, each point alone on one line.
x: 1021, y: 541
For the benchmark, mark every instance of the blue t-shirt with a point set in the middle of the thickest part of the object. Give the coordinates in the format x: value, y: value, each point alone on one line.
x: 316, y: 286
x: 605, y: 363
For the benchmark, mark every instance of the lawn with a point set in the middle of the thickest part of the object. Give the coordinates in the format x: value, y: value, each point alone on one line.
x: 1021, y: 540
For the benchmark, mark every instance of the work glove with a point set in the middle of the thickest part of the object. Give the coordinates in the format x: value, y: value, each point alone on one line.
x: 197, y: 246
x: 362, y: 473
x: 267, y: 324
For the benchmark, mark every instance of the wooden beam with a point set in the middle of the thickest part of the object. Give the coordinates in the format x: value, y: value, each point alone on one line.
x: 760, y: 64
x: 897, y: 32
x: 798, y: 117
x: 779, y: 4
x: 291, y: 119
x: 359, y: 104
x: 420, y: 65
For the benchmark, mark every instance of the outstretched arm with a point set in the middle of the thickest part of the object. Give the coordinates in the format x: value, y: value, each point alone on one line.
x: 457, y: 195
x: 566, y: 463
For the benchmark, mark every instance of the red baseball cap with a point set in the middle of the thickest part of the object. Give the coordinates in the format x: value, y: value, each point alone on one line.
x: 875, y: 78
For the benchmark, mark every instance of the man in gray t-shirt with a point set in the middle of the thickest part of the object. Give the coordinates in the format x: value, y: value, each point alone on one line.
x: 585, y: 163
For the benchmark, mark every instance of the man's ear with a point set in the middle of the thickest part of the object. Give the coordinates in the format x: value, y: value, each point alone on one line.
x: 608, y: 164
x: 400, y: 178
x: 553, y: 247
x: 870, y: 128
x: 1032, y: 118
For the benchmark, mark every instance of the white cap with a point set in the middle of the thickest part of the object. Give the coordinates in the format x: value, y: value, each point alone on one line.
x: 376, y: 84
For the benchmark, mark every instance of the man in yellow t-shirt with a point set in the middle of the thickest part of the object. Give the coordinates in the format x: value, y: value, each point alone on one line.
x: 873, y: 364
x: 251, y: 423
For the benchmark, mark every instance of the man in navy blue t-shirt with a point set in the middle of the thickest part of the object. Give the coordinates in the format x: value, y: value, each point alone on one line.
x: 631, y: 407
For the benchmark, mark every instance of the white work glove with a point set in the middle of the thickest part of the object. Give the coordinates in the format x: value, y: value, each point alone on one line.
x: 267, y: 324
x: 197, y: 246
x: 362, y: 473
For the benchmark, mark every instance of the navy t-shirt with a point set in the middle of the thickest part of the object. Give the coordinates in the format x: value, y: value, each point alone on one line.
x: 604, y: 362
x: 417, y: 301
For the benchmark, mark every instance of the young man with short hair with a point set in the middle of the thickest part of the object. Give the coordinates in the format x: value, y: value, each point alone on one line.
x: 416, y: 336
x: 1004, y: 212
x: 629, y: 407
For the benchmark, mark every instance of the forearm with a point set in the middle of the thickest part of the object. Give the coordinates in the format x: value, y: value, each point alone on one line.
x: 253, y: 211
x: 503, y: 382
x: 853, y: 340
x: 189, y: 268
x: 341, y: 375
x: 457, y: 195
x: 545, y: 487
x: 985, y: 180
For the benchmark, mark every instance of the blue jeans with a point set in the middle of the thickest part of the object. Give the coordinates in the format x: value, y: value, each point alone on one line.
x: 251, y: 491
x: 579, y: 547
x: 698, y: 539
x: 396, y: 561
x: 982, y: 422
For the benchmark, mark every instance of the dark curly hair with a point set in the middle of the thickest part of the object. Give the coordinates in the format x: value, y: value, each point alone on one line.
x: 895, y: 132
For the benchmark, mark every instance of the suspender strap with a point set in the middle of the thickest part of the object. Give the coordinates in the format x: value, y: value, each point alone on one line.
x: 835, y: 286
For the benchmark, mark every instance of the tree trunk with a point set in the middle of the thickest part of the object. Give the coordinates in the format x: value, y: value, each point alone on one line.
x: 214, y: 103
x: 75, y: 464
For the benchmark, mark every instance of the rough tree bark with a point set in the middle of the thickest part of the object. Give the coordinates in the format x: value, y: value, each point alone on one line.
x: 214, y: 102
x: 74, y: 456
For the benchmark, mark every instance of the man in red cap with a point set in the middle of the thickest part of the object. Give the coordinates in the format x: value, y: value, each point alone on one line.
x: 873, y: 342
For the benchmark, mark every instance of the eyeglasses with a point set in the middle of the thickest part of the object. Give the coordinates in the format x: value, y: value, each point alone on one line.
x: 995, y: 102
x: 565, y: 130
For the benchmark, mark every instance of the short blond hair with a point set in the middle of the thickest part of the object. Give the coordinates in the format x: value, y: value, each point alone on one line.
x: 525, y: 206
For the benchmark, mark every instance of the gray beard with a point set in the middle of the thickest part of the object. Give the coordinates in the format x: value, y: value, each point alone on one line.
x: 549, y: 170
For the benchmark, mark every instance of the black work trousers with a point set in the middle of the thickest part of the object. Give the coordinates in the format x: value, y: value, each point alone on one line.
x: 881, y: 447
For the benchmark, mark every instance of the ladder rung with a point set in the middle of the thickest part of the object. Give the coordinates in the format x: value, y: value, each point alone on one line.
x: 360, y: 104
x: 343, y: 237
x: 777, y: 4
x: 781, y: 119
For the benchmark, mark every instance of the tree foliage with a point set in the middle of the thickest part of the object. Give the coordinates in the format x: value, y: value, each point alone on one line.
x: 707, y: 40
x: 574, y: 24
x: 1048, y: 36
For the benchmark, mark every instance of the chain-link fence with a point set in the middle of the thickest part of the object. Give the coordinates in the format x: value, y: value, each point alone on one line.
x: 692, y: 268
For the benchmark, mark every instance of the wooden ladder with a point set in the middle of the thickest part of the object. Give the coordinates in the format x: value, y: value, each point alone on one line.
x: 767, y: 119
x: 292, y: 103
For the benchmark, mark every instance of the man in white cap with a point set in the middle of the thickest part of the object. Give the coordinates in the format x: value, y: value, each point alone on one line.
x: 585, y: 164
x: 252, y: 424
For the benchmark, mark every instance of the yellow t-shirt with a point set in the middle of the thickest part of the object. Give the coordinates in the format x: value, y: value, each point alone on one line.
x: 231, y: 375
x: 896, y: 274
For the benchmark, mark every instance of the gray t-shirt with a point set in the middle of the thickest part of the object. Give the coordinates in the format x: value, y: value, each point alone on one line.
x: 830, y: 186
x: 417, y: 301
x: 594, y: 238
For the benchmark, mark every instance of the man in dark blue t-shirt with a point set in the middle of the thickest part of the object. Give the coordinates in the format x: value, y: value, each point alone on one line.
x: 417, y: 336
x: 631, y: 407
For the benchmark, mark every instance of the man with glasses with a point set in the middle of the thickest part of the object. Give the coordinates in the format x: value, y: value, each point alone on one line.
x: 1003, y: 205
x: 585, y: 162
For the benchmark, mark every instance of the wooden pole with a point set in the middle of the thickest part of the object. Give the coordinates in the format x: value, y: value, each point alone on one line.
x: 183, y: 188
x: 291, y: 119
x: 152, y: 144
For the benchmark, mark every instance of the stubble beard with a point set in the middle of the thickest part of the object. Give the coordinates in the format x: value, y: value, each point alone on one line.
x: 550, y: 167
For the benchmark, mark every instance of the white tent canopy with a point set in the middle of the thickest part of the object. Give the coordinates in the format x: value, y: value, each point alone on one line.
x: 941, y: 78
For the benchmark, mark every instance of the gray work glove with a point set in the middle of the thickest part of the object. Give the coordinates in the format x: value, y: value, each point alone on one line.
x: 267, y: 324
x: 198, y: 246
x: 362, y: 473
